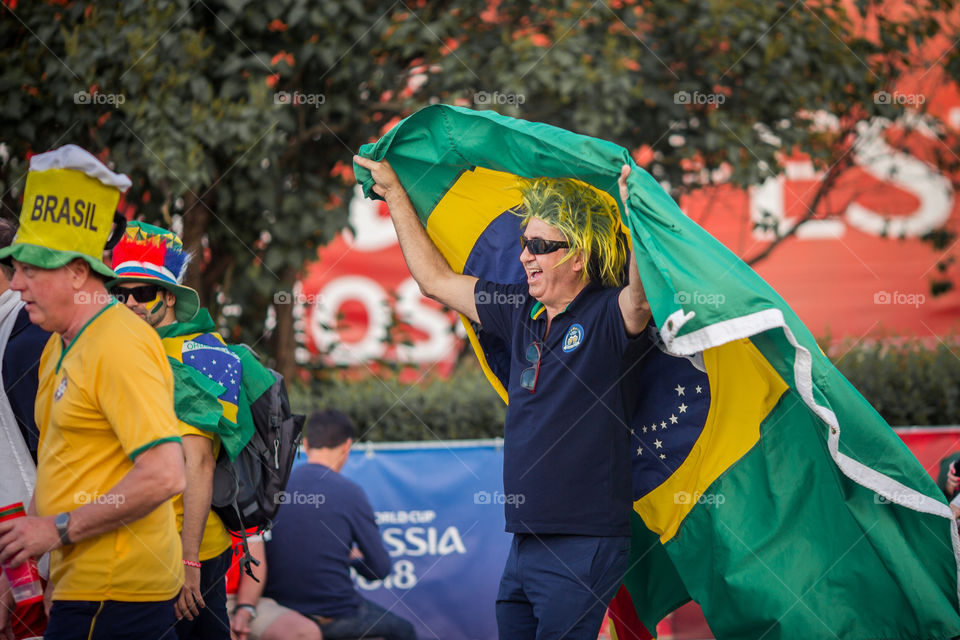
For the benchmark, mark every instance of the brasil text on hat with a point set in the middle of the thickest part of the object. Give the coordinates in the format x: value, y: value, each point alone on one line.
x: 153, y: 255
x: 68, y: 208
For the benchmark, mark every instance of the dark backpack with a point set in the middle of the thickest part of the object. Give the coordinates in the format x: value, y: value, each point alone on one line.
x: 247, y: 492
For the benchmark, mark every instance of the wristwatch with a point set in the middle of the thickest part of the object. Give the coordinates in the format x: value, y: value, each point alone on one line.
x: 253, y: 610
x: 63, y: 522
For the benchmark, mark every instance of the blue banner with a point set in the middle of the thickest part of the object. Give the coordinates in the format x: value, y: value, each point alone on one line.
x: 440, y: 510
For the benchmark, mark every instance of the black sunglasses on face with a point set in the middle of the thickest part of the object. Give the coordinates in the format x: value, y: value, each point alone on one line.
x: 539, y: 246
x: 143, y: 293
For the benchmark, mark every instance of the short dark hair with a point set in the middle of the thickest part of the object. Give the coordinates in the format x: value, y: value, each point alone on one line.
x: 8, y: 230
x: 328, y: 429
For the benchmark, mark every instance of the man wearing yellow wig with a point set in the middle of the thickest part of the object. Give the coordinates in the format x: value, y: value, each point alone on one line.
x: 109, y: 455
x: 567, y: 481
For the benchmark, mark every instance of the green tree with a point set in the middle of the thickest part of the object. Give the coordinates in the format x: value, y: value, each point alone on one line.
x: 710, y: 91
x: 237, y: 120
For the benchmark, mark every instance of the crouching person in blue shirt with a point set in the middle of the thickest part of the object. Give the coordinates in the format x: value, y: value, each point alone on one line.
x: 325, y: 527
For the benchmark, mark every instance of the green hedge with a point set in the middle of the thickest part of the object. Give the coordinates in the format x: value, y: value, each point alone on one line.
x: 908, y: 383
x: 463, y: 406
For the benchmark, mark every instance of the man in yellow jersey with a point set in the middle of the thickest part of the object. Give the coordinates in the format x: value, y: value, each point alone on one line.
x: 109, y: 454
x: 150, y: 263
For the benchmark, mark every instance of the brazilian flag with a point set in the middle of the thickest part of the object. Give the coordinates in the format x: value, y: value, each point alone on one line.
x: 766, y: 488
x: 214, y: 382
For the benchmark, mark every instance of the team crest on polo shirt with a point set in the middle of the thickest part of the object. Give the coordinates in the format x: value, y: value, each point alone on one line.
x: 61, y: 388
x: 573, y: 338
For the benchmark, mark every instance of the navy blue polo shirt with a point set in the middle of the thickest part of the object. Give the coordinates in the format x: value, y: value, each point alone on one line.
x: 566, y: 445
x: 308, y: 555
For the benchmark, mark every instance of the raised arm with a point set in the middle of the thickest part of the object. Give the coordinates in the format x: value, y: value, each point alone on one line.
x: 427, y: 266
x: 633, y: 299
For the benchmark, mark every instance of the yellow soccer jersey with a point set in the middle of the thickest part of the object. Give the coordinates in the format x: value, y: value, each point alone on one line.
x: 101, y: 402
x: 215, y: 539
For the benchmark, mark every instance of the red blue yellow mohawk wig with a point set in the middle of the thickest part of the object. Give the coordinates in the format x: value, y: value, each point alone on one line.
x: 151, y: 254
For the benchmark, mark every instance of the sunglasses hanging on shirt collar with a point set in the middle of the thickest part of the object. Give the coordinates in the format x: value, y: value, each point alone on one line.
x: 528, y: 377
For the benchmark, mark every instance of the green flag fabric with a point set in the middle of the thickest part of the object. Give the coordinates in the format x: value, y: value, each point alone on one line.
x: 209, y: 396
x: 766, y: 487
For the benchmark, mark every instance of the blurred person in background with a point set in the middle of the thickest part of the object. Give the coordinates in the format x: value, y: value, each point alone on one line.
x: 21, y: 344
x: 255, y: 617
x: 324, y: 527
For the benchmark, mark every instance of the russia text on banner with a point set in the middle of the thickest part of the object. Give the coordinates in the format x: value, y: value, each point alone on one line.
x: 777, y: 498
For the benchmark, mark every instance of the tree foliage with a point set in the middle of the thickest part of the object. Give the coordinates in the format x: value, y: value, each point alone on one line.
x: 237, y: 120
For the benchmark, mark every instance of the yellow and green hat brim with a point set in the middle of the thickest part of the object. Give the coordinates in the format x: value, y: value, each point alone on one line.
x: 47, y: 258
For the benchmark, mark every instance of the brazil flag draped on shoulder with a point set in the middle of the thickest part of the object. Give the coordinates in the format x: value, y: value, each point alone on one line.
x: 766, y: 488
x: 214, y: 383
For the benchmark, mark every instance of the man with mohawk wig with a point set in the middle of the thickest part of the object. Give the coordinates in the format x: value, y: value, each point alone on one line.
x: 150, y: 264
x: 567, y: 478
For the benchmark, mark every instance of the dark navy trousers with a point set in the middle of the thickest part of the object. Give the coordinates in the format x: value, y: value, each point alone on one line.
x: 559, y: 586
x: 111, y: 620
x: 213, y: 623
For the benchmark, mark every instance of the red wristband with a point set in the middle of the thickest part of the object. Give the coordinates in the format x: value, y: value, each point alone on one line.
x: 191, y: 563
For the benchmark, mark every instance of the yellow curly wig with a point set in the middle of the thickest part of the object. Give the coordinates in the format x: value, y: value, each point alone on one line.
x: 590, y: 223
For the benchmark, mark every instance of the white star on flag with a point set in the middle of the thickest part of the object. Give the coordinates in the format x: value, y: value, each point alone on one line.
x: 679, y: 390
x: 682, y: 408
x: 658, y: 444
x: 673, y: 419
